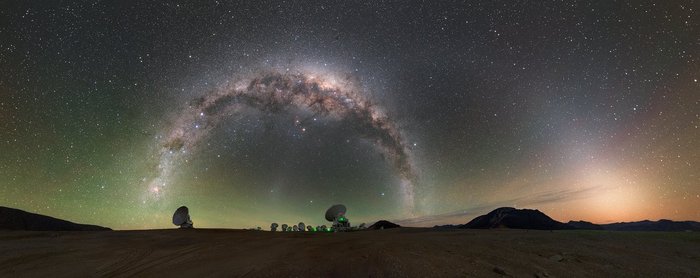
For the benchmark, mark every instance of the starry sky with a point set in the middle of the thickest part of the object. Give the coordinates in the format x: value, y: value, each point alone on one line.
x: 421, y: 112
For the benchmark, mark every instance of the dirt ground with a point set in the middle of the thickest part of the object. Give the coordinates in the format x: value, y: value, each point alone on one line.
x: 404, y: 252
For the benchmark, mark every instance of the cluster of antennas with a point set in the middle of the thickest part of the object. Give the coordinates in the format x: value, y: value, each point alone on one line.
x: 335, y: 214
x: 301, y: 227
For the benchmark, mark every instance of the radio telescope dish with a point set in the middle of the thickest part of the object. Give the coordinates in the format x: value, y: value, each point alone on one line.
x: 336, y: 214
x: 181, y: 217
x: 284, y: 227
x: 333, y: 212
x: 302, y: 227
x: 273, y: 227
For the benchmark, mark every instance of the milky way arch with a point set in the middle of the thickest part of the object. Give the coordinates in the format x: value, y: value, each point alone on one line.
x: 272, y: 92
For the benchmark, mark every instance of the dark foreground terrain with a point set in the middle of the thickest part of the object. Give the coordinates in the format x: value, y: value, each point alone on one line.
x: 400, y: 252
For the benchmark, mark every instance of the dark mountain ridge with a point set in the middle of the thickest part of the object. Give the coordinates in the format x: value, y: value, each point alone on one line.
x: 15, y: 219
x: 663, y: 225
x: 585, y: 225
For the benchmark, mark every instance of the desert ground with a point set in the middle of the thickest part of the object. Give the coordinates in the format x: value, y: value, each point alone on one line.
x: 404, y: 252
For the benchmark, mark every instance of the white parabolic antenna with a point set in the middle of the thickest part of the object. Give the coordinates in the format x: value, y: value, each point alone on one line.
x: 181, y: 216
x: 334, y: 211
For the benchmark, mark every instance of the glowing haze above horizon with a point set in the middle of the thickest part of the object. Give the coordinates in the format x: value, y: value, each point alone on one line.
x: 422, y: 113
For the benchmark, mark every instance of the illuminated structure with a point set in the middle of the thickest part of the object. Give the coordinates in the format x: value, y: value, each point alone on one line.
x: 336, y: 214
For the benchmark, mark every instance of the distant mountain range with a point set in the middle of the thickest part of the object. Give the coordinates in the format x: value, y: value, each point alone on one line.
x: 507, y: 217
x: 584, y: 225
x: 15, y: 219
x: 646, y: 225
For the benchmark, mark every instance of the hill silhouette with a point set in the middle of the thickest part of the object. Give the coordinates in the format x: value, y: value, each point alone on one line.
x: 383, y: 224
x: 15, y: 219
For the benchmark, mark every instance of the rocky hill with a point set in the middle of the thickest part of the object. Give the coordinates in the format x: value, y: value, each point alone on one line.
x: 507, y: 217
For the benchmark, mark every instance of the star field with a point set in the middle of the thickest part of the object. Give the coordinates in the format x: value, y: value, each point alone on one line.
x: 423, y: 113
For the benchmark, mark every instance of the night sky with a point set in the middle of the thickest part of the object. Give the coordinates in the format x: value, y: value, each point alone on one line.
x: 117, y: 112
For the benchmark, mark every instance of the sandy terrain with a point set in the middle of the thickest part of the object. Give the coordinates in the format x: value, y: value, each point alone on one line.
x: 385, y: 253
